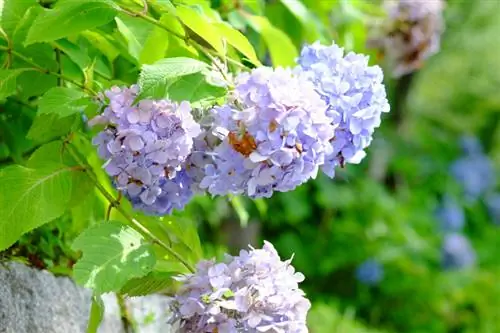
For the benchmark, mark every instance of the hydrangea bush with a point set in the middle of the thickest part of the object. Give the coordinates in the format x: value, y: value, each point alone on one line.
x: 116, y: 114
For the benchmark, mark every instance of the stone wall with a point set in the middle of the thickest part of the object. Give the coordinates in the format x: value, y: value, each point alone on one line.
x: 33, y: 301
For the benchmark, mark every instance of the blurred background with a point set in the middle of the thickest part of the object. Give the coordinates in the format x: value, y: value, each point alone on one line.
x: 408, y: 240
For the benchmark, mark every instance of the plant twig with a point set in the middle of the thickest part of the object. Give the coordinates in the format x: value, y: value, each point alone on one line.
x: 110, y: 206
x: 126, y: 215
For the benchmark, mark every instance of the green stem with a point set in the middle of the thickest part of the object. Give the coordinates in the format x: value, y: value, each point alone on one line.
x: 126, y: 215
x: 46, y: 71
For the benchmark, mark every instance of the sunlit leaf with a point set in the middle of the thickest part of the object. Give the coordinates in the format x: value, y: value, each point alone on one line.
x: 112, y: 254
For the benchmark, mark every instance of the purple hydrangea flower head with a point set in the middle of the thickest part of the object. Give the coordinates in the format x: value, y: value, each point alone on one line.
x: 370, y: 272
x: 493, y: 205
x: 274, y: 135
x: 475, y: 173
x: 355, y: 96
x: 253, y: 292
x: 410, y: 34
x: 450, y: 215
x: 145, y: 147
x: 457, y: 252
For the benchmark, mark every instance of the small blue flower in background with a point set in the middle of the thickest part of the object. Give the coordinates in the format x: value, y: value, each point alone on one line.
x: 370, y: 272
x: 457, y: 252
x: 493, y: 204
x: 471, y: 145
x: 474, y: 171
x: 450, y: 215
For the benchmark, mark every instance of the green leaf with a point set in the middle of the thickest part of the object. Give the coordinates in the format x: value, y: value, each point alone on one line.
x: 165, y: 5
x: 75, y: 53
x: 112, y: 254
x: 46, y: 127
x: 181, y: 234
x: 152, y: 283
x: 193, y: 88
x: 238, y: 41
x: 308, y: 21
x: 201, y: 26
x: 96, y: 314
x: 156, y: 45
x: 183, y: 231
x: 281, y: 48
x: 8, y: 79
x: 30, y: 198
x: 135, y: 33
x: 13, y: 11
x: 69, y: 18
x: 56, y: 153
x: 155, y: 79
x: 63, y: 102
x: 240, y: 209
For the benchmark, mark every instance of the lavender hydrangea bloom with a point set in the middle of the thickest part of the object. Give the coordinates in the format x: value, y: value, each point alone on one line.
x: 411, y: 33
x: 275, y: 134
x: 355, y: 96
x: 370, y: 272
x: 450, y: 215
x: 254, y: 292
x: 145, y: 147
x: 457, y: 252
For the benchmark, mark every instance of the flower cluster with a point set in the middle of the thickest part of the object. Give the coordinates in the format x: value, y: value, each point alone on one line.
x: 457, y: 252
x: 370, y: 272
x: 411, y: 33
x: 145, y: 146
x: 252, y: 292
x: 355, y: 96
x: 275, y: 134
x: 277, y: 129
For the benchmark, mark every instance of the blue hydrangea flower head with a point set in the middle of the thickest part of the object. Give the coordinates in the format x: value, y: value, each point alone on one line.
x: 253, y: 292
x: 145, y: 147
x: 475, y: 173
x: 410, y: 34
x: 493, y: 205
x: 471, y: 145
x: 274, y: 134
x: 457, y: 252
x: 355, y: 95
x: 370, y: 272
x: 450, y: 215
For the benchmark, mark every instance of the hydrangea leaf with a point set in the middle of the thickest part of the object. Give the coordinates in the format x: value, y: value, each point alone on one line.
x: 62, y: 102
x: 69, y: 18
x: 156, y: 44
x: 152, y: 283
x: 281, y: 48
x: 96, y: 314
x: 155, y: 79
x: 30, y: 198
x: 8, y: 82
x: 193, y: 88
x: 55, y: 153
x: 112, y: 254
x: 238, y: 41
x: 12, y: 12
x: 201, y: 26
